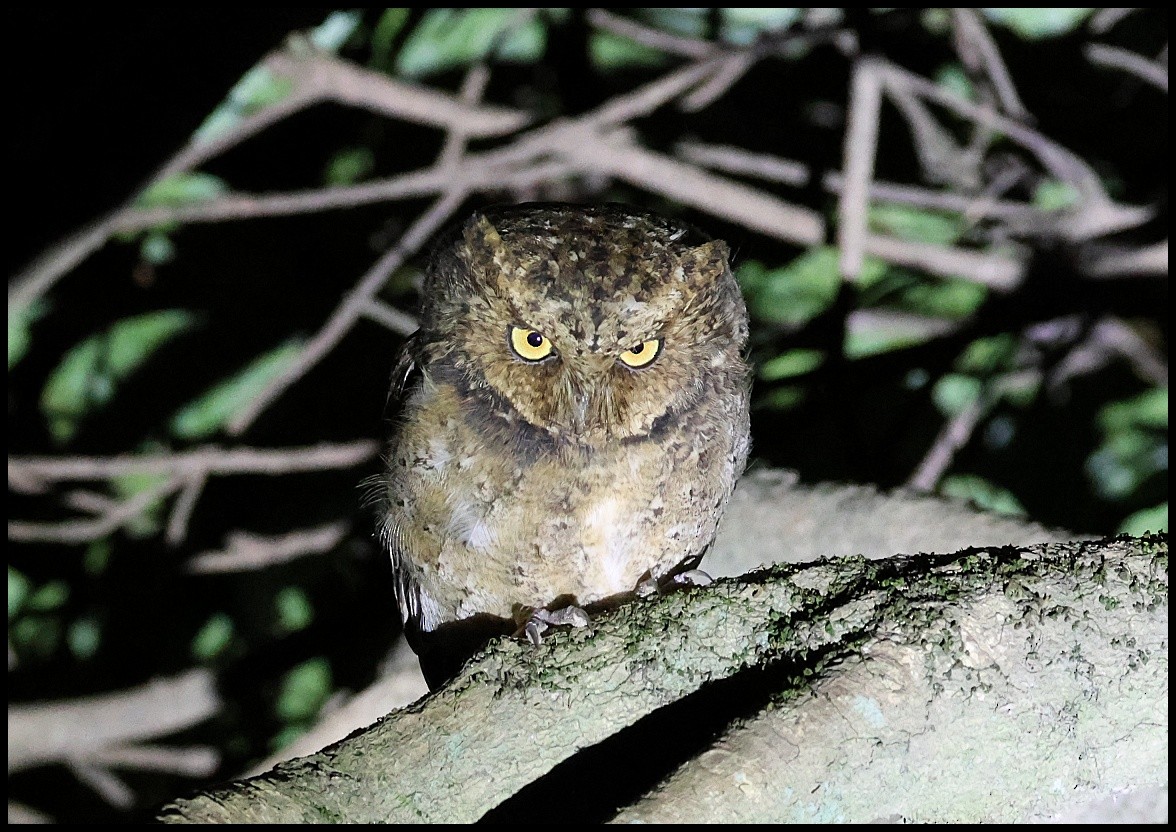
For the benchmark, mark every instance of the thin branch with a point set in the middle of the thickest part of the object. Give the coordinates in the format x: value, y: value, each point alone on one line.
x: 1110, y: 261
x: 181, y: 514
x: 351, y: 308
x: 861, y: 147
x: 45, y: 732
x: 991, y: 269
x: 732, y: 159
x: 81, y: 531
x: 109, y: 786
x: 247, y: 552
x: 334, y: 79
x: 648, y: 36
x: 1096, y: 215
x: 316, y: 77
x: 733, y: 67
x: 210, y: 460
x: 190, y: 761
x: 389, y: 316
x: 952, y: 437
x: 619, y: 156
x: 978, y: 51
x: 1151, y: 72
x: 1106, y: 19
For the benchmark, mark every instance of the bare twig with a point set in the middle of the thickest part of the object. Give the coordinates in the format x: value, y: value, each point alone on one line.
x: 649, y: 36
x: 47, y: 732
x: 1106, y: 19
x: 731, y: 159
x: 316, y: 77
x: 181, y: 514
x: 953, y: 436
x: 996, y: 271
x: 861, y: 147
x: 351, y: 308
x: 733, y: 67
x: 1107, y: 261
x: 80, y: 531
x: 210, y: 460
x: 399, y: 322
x: 1096, y: 213
x: 978, y: 52
x: 247, y: 552
x: 621, y: 157
x: 185, y: 472
x: 1151, y: 72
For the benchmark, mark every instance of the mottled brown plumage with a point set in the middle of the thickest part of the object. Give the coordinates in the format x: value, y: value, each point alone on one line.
x: 541, y: 458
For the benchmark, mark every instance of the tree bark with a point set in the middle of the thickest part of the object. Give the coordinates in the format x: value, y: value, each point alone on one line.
x: 992, y: 684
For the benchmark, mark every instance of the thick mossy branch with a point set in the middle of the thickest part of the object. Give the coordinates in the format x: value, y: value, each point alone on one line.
x: 516, y: 711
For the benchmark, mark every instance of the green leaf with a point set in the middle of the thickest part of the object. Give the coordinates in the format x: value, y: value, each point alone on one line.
x: 886, y: 331
x: 294, y: 609
x: 181, y: 189
x: 1154, y: 519
x: 1052, y: 195
x: 304, y: 690
x: 149, y: 519
x: 1147, y: 410
x: 89, y: 373
x: 21, y: 318
x: 97, y: 556
x: 1036, y: 24
x: 84, y: 637
x: 794, y: 294
x: 691, y: 23
x: 742, y: 26
x: 36, y: 634
x: 18, y: 590
x: 213, y: 637
x: 384, y: 35
x: 49, y: 597
x: 612, y: 53
x: 451, y: 38
x: 954, y: 393
x: 349, y: 165
x: 334, y: 32
x: 939, y: 298
x: 216, y: 407
x: 257, y: 89
x: 953, y: 79
x: 1124, y: 460
x: 157, y: 248
x: 987, y: 356
x: 983, y: 493
x: 792, y: 363
x: 922, y: 225
x: 783, y: 398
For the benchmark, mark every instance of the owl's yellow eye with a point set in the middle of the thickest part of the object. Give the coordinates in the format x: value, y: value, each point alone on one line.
x: 529, y: 345
x: 642, y: 355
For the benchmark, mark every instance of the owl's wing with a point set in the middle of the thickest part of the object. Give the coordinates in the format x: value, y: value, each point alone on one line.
x: 405, y: 375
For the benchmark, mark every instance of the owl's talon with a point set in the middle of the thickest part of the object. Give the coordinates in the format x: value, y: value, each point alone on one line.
x: 692, y: 577
x: 563, y: 617
x: 648, y: 586
x: 534, y: 631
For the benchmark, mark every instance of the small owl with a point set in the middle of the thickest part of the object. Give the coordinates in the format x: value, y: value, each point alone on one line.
x: 574, y: 415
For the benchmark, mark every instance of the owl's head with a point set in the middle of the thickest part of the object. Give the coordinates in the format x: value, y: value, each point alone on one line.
x: 589, y: 323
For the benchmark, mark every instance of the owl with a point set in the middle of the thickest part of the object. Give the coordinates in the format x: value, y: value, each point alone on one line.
x: 573, y: 418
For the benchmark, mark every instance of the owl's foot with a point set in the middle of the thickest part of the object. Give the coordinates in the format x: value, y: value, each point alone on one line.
x: 543, y: 620
x: 691, y: 577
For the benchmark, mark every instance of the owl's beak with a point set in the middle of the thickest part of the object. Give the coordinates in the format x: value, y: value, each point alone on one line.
x: 580, y: 401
